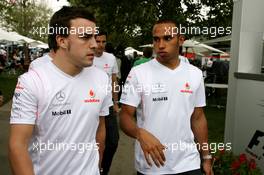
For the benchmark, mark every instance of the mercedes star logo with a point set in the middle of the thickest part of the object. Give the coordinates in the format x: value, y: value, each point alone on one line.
x: 60, y: 96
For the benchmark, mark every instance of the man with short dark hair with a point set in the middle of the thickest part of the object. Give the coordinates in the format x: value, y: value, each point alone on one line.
x: 171, y: 95
x: 57, y: 116
x: 107, y: 62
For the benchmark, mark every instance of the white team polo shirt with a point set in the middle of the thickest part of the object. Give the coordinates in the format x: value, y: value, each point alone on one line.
x: 40, y: 61
x: 107, y: 62
x: 65, y: 111
x: 168, y: 98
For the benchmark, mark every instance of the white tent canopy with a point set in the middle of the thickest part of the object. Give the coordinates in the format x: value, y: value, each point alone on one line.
x: 43, y: 46
x: 14, y: 37
x: 147, y: 45
x: 7, y: 36
x: 130, y: 50
x: 220, y: 39
x: 35, y: 43
x: 198, y: 47
x: 39, y: 44
x: 22, y: 38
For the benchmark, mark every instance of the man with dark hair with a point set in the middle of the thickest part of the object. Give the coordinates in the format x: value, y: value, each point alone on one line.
x: 171, y: 95
x: 59, y: 25
x: 57, y: 116
x: 107, y: 62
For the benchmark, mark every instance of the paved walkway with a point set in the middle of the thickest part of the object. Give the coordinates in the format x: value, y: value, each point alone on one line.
x: 123, y: 163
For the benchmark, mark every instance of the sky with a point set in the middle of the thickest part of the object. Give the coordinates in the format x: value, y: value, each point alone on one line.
x: 55, y: 5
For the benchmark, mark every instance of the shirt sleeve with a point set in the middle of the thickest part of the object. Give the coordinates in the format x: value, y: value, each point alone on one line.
x: 200, y: 95
x: 24, y: 106
x: 130, y: 94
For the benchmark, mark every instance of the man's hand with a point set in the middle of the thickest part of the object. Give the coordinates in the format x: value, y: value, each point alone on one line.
x: 151, y: 147
x: 207, y: 167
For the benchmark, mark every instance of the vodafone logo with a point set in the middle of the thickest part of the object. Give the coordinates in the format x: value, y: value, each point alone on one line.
x: 187, y: 89
x: 187, y: 86
x: 91, y: 93
x: 91, y: 98
x: 106, y: 66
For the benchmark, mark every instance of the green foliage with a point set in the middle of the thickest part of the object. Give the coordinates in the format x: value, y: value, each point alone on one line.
x: 25, y: 15
x: 129, y: 22
x: 225, y: 162
x: 216, y: 122
x: 7, y: 85
x: 2, y: 5
x: 219, y: 14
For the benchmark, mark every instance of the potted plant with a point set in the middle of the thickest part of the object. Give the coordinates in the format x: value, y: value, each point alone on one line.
x: 226, y: 163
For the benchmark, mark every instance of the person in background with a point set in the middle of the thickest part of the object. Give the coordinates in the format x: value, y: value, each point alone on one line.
x: 181, y: 57
x: 147, y: 54
x: 109, y: 48
x: 135, y: 57
x: 3, y: 59
x: 126, y: 64
x: 107, y: 62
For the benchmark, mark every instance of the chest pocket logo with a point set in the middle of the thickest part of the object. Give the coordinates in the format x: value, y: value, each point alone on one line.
x: 92, y: 98
x: 187, y: 88
x: 60, y: 96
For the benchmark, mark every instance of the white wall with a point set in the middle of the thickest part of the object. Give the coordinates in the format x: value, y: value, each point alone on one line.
x: 244, y: 113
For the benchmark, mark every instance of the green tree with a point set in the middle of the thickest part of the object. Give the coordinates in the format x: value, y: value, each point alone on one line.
x: 219, y: 14
x: 2, y: 6
x: 129, y: 22
x: 23, y: 16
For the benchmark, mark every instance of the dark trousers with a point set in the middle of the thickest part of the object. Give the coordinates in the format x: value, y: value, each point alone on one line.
x: 193, y: 172
x: 111, y: 140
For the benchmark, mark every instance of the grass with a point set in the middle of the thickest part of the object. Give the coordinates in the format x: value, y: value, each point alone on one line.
x: 216, y: 116
x: 7, y: 85
x: 216, y: 124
